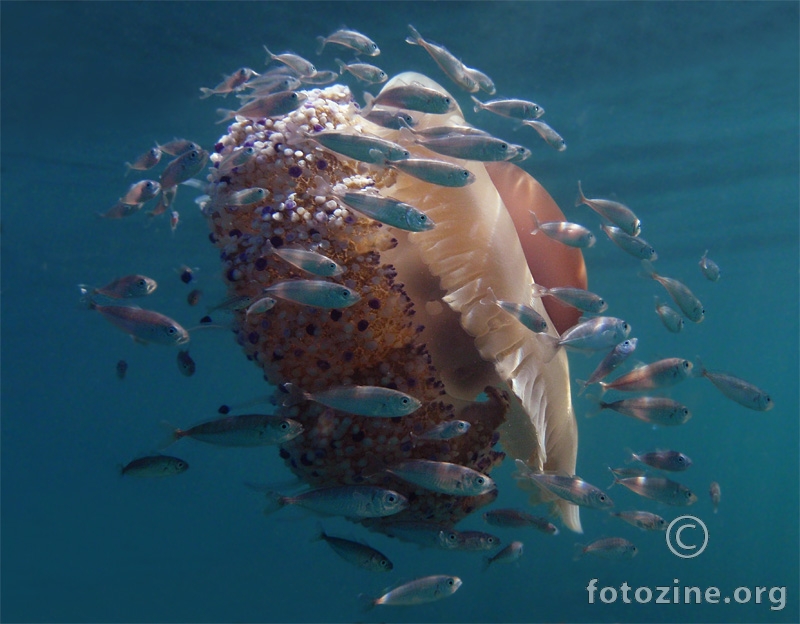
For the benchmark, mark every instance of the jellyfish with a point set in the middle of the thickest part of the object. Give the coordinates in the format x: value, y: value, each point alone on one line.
x: 419, y: 326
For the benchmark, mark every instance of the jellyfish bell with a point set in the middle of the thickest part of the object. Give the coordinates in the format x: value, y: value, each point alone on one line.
x: 476, y: 245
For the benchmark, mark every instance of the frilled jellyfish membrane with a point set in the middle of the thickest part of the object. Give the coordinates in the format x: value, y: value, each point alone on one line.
x: 420, y: 326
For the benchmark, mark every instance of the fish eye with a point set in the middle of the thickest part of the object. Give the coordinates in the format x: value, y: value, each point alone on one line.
x: 686, y: 364
x: 480, y: 480
x: 172, y: 330
x: 504, y: 146
x: 404, y: 400
x: 465, y: 174
x: 284, y: 425
x: 391, y: 498
x: 625, y: 327
x: 450, y: 581
x: 602, y: 498
x: 452, y: 537
x: 490, y: 540
x: 382, y: 75
x: 384, y: 562
x: 447, y: 100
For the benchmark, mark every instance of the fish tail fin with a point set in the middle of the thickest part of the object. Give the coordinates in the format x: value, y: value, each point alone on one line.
x: 296, y: 395
x: 569, y: 513
x: 536, y: 224
x: 584, y: 384
x: 171, y: 434
x: 553, y: 345
x: 87, y: 296
x: 487, y: 561
x: 269, y: 54
x: 538, y: 291
x: 415, y: 38
x: 632, y: 457
x: 275, y: 501
x: 581, y: 198
x: 478, y: 104
x: 342, y: 65
x: 490, y: 298
x: 225, y: 114
x: 578, y: 550
x: 700, y: 369
x: 206, y: 93
x: 369, y: 103
x: 321, y: 535
x: 648, y: 270
x: 365, y: 602
x: 321, y: 41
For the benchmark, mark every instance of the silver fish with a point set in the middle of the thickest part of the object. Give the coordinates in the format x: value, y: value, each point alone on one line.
x: 363, y: 147
x: 360, y: 400
x: 242, y: 430
x: 671, y: 319
x: 144, y: 325
x: 473, y: 541
x: 526, y: 315
x: 391, y: 118
x: 320, y: 78
x: 358, y: 554
x: 126, y: 287
x: 515, y: 109
x: 661, y: 374
x: 429, y: 534
x: 634, y: 245
x: 672, y: 461
x: 615, y: 212
x: 146, y: 161
x: 469, y: 147
x: 709, y: 268
x: 642, y: 519
x: 566, y: 233
x: 443, y: 477
x: 165, y: 200
x: 414, y: 97
x: 572, y: 489
x: 448, y: 63
x: 439, y: 172
x: 553, y: 138
x: 243, y: 197
x: 154, y: 466
x: 389, y: 211
x: 659, y: 489
x: 615, y: 357
x: 120, y: 210
x: 715, y: 492
x: 237, y: 158
x: 607, y: 548
x: 363, y: 71
x: 360, y: 44
x: 594, y: 334
x: 518, y: 519
x: 433, y: 132
x: 183, y: 167
x: 418, y: 591
x: 229, y: 83
x: 484, y: 82
x: 576, y: 297
x: 351, y: 501
x: 653, y: 410
x: 141, y: 192
x: 272, y: 105
x: 315, y: 293
x: 186, y: 364
x: 294, y: 62
x: 309, y: 261
x: 270, y: 83
x: 444, y: 431
x: 177, y: 147
x: 260, y: 306
x: 739, y: 390
x: 680, y: 293
x: 509, y: 554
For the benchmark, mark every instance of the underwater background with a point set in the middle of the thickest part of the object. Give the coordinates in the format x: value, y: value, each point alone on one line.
x: 687, y: 112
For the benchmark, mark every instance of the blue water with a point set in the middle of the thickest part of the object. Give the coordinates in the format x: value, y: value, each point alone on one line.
x: 687, y: 112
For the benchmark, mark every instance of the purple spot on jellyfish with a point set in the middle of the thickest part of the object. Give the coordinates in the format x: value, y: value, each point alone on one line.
x: 218, y: 147
x: 276, y: 241
x: 261, y: 264
x: 253, y: 338
x: 375, y: 304
x: 362, y: 325
x: 321, y: 164
x: 295, y: 171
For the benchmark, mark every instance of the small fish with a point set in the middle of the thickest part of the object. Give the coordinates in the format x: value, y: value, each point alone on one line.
x: 659, y: 489
x: 229, y: 83
x: 614, y: 358
x: 165, y: 199
x: 352, y: 39
x: 272, y: 105
x: 297, y: 63
x: 232, y: 303
x: 428, y: 534
x: 515, y: 109
x: 360, y: 400
x: 418, y: 591
x: 553, y: 138
x: 739, y: 390
x: 351, y: 501
x: 242, y: 430
x: 594, y: 334
x: 309, y: 261
x: 178, y: 147
x: 389, y: 211
x: 358, y: 554
x: 617, y: 213
x: 709, y: 268
x: 237, y: 158
x: 671, y: 319
x: 653, y: 410
x: 485, y: 83
x: 448, y: 63
x: 624, y: 473
x: 362, y: 147
x: 127, y: 287
x: 444, y: 431
x: 185, y: 166
x: 607, y: 548
x: 193, y: 298
x: 141, y: 192
x: 268, y: 83
x: 578, y: 298
x: 122, y: 369
x: 661, y: 374
x: 143, y: 325
x: 155, y: 466
x: 314, y: 293
x: 443, y: 477
x: 472, y: 541
x: 363, y: 71
x: 391, y: 118
x: 449, y: 130
x: 324, y: 77
x: 120, y: 210
x: 519, y: 519
x: 243, y: 197
x: 186, y: 364
x: 572, y: 489
x: 634, y: 245
x: 146, y: 161
x: 566, y: 233
x: 414, y: 97
x: 680, y: 293
x: 642, y: 519
x: 526, y: 315
x: 174, y: 220
x: 260, y: 306
x: 470, y: 147
x: 509, y: 554
x: 672, y: 461
x: 439, y: 172
x: 522, y: 153
x: 715, y: 493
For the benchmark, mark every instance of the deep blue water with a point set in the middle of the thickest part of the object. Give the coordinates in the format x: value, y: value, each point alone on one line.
x: 687, y: 112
